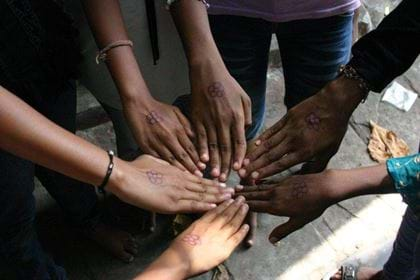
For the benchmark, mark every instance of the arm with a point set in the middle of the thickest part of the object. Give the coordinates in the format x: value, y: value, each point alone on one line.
x: 313, y: 130
x: 146, y: 182
x: 303, y: 198
x: 206, y: 243
x: 220, y: 107
x: 153, y: 123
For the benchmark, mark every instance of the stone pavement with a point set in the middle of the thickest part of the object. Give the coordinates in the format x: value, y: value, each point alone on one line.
x: 361, y: 229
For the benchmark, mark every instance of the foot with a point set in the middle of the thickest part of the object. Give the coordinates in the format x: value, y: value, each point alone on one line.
x: 252, y: 220
x: 119, y: 243
x: 363, y: 273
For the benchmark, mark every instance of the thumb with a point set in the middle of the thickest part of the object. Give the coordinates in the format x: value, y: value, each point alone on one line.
x: 285, y: 229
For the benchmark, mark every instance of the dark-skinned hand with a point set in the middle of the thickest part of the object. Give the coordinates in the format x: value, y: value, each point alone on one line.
x: 302, y: 198
x: 310, y: 132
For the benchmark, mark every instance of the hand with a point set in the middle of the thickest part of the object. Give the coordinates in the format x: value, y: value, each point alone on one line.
x: 154, y: 185
x: 302, y: 198
x: 163, y: 131
x: 205, y: 244
x: 220, y: 111
x: 311, y: 131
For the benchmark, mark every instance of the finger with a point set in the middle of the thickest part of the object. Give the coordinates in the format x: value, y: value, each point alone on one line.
x: 239, y: 236
x: 149, y: 151
x: 252, y: 221
x: 237, y: 220
x: 247, y: 105
x: 226, y: 216
x: 258, y: 195
x: 206, y: 197
x: 266, y: 159
x: 211, y: 215
x: 191, y: 150
x: 183, y: 157
x: 282, y: 164
x: 185, y: 123
x: 214, y: 152
x: 256, y: 188
x: 193, y: 206
x: 280, y: 232
x: 166, y: 155
x: 239, y: 143
x: 259, y: 206
x: 214, y: 188
x: 203, y: 148
x: 225, y: 150
x: 272, y: 130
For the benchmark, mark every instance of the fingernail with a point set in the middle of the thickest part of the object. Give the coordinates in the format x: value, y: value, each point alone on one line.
x: 204, y: 157
x: 245, y: 227
x: 213, y: 205
x: 222, y: 177
x: 215, y: 172
x: 244, y: 208
x: 246, y: 162
x: 230, y: 201
x: 236, y: 165
x: 239, y: 187
x: 201, y: 165
x: 274, y: 240
x: 229, y: 190
x: 198, y: 173
x: 258, y: 142
x: 242, y: 172
x: 255, y: 175
x: 226, y: 196
x: 240, y: 199
x: 223, y: 185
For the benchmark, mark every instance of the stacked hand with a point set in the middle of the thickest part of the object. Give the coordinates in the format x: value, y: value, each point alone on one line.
x: 302, y: 198
x: 220, y: 111
x: 163, y: 131
x: 206, y: 243
x: 310, y: 132
x: 154, y: 185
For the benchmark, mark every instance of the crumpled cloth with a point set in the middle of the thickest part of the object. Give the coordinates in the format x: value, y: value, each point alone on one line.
x: 385, y: 144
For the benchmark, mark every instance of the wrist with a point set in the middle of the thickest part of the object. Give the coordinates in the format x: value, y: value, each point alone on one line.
x: 203, y: 65
x: 344, y: 93
x: 118, y: 177
x: 169, y: 266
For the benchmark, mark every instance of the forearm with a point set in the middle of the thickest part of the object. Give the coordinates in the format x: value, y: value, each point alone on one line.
x: 29, y: 135
x: 169, y: 266
x: 108, y: 26
x: 389, y: 50
x: 191, y: 20
x: 361, y: 181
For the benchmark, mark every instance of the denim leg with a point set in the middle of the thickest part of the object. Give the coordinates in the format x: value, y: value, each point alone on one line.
x: 405, y: 257
x: 244, y: 44
x: 78, y: 200
x: 312, y: 52
x: 19, y: 246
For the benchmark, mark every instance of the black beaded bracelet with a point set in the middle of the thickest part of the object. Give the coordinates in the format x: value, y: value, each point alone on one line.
x: 101, y: 187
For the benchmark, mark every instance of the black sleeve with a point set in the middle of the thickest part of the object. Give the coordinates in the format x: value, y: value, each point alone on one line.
x: 388, y: 51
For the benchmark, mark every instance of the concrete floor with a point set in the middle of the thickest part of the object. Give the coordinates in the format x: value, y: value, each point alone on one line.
x: 359, y: 230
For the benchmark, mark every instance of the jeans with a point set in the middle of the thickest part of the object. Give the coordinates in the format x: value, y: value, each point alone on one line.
x: 311, y: 51
x: 404, y: 262
x: 19, y: 245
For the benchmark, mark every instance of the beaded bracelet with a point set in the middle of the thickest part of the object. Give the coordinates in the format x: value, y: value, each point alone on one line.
x: 351, y: 73
x: 101, y: 187
x: 101, y: 56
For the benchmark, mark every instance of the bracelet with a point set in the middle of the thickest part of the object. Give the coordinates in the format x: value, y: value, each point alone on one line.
x: 101, y: 187
x: 101, y: 56
x: 350, y: 73
x: 170, y: 2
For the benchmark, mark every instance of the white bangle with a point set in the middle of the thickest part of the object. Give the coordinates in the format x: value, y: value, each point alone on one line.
x: 170, y: 2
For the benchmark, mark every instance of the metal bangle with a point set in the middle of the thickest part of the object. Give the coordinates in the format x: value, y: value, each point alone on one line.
x: 101, y: 187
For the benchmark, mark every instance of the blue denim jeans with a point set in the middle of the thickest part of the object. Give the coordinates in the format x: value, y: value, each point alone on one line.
x: 19, y: 245
x: 311, y: 51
